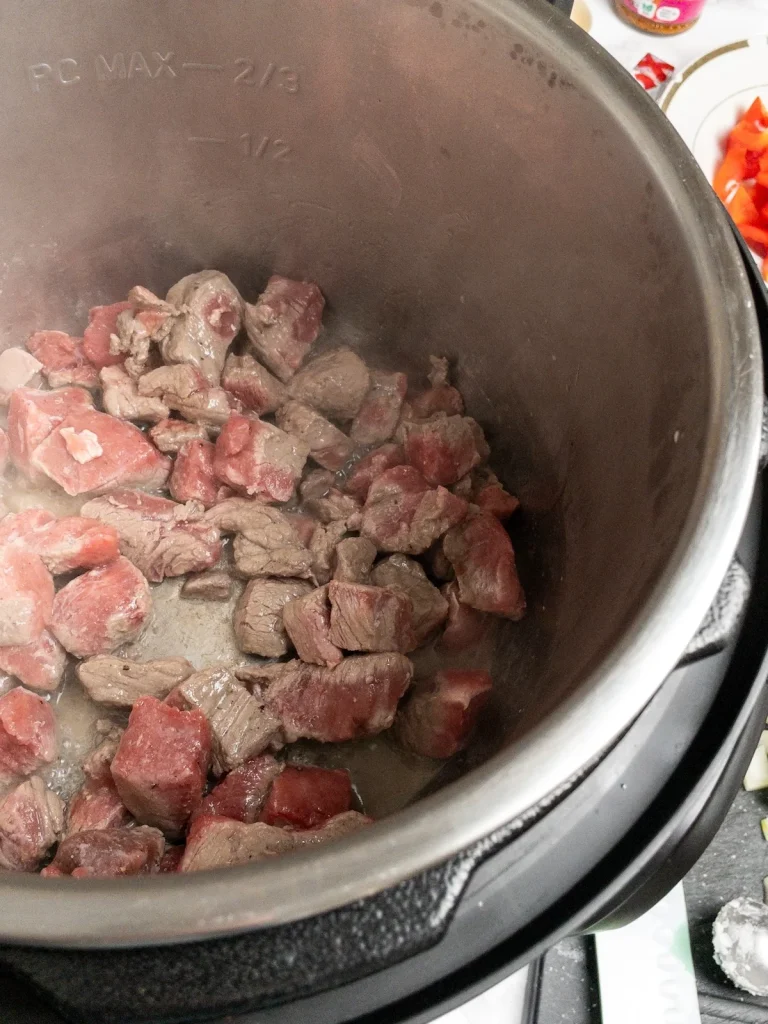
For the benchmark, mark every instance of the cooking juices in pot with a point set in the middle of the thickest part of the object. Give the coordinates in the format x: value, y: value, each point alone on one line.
x: 248, y: 584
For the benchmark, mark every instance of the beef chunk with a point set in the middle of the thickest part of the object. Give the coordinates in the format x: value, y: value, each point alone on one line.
x: 219, y: 842
x: 27, y: 733
x: 305, y: 796
x: 102, y: 609
x: 481, y: 553
x: 267, y: 544
x: 137, y: 330
x: 367, y: 618
x: 358, y: 697
x: 119, y: 682
x: 379, y: 414
x: 39, y: 664
x: 102, y: 324
x: 192, y: 475
x: 336, y: 506
x: 97, y: 804
x: 443, y: 449
x: 403, y: 513
x: 465, y: 627
x: 241, y: 793
x: 304, y: 526
x: 162, y: 762
x: 435, y: 401
x: 90, y: 452
x: 185, y: 390
x: 327, y: 445
x: 74, y: 542
x: 170, y: 436
x: 316, y: 484
x: 21, y: 527
x: 171, y: 860
x: 257, y: 459
x: 160, y: 537
x: 31, y: 819
x: 283, y: 324
x: 32, y: 415
x: 210, y: 313
x: 430, y: 608
x: 334, y: 383
x: 307, y: 621
x: 354, y: 558
x: 122, y: 399
x: 207, y: 586
x: 26, y: 596
x: 62, y: 356
x: 252, y: 385
x: 259, y: 615
x: 18, y: 369
x: 240, y: 727
x: 438, y: 717
x: 372, y: 466
x: 322, y: 547
x: 490, y: 496
x: 109, y: 853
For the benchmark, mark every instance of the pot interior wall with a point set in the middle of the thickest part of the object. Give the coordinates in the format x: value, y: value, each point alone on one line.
x: 451, y: 191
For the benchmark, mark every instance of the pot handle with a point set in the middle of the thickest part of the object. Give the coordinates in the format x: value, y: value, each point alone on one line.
x: 565, y: 6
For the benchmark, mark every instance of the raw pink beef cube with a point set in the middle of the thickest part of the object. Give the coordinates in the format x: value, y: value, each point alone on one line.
x: 39, y: 664
x: 75, y: 542
x: 26, y: 596
x: 307, y: 796
x: 20, y: 526
x: 102, y: 322
x: 438, y: 717
x: 63, y: 359
x: 27, y: 733
x: 32, y: 415
x: 283, y: 324
x: 192, y: 476
x: 258, y: 459
x: 443, y: 450
x: 241, y: 794
x: 102, y: 609
x: 162, y: 762
x: 91, y: 452
x: 96, y: 804
x: 403, y: 513
x: 108, y: 853
x: 372, y: 465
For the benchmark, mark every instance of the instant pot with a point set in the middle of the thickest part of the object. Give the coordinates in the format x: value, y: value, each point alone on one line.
x: 482, y: 180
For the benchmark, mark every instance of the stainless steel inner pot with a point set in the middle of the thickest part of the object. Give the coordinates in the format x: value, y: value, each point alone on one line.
x: 470, y: 177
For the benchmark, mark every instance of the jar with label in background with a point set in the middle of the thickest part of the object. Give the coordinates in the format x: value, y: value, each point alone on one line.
x: 661, y: 16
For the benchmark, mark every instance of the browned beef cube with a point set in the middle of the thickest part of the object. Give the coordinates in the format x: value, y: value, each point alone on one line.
x: 97, y: 804
x: 252, y: 385
x: 322, y: 547
x: 354, y: 558
x: 185, y: 390
x: 119, y: 682
x: 121, y: 398
x: 367, y: 618
x: 328, y: 446
x: 371, y: 466
x: 403, y: 513
x: 379, y: 414
x: 402, y: 574
x: 266, y: 544
x: 358, y: 697
x: 258, y: 459
x: 240, y: 727
x: 209, y: 316
x: 482, y: 555
x: 171, y: 435
x: 162, y: 762
x: 316, y: 484
x: 219, y: 842
x: 31, y: 819
x: 241, y: 793
x: 160, y: 537
x: 439, y: 716
x: 258, y: 619
x: 108, y: 853
x: 27, y: 733
x: 284, y: 323
x: 334, y: 384
x: 307, y: 621
x: 336, y: 506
